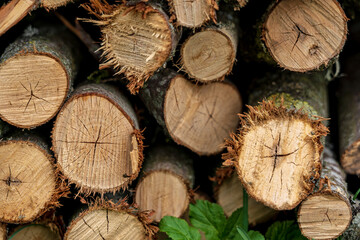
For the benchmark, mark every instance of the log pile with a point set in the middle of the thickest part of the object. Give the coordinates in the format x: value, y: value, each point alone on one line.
x: 130, y: 131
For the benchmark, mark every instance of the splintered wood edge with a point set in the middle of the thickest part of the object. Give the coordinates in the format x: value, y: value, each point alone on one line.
x: 52, y: 4
x: 180, y: 141
x: 137, y: 134
x: 28, y: 126
x: 13, y: 12
x: 313, y: 48
x: 260, y: 114
x: 123, y: 207
x: 61, y: 188
x: 190, y: 193
x: 134, y: 76
x: 196, y: 76
x: 319, y: 231
x: 211, y: 16
x: 350, y: 159
x: 43, y: 231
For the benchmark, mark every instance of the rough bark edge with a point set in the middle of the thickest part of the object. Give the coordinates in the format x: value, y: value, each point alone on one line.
x: 61, y: 188
x: 69, y: 83
x: 104, y: 12
x: 137, y: 133
x: 53, y: 7
x: 322, y: 65
x: 120, y: 206
x: 221, y: 174
x: 213, y: 8
x: 267, y: 110
x: 179, y: 142
x: 219, y: 79
x: 190, y: 191
x: 5, y: 231
x: 327, y: 191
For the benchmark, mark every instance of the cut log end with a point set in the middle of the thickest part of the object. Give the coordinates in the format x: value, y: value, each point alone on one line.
x: 201, y: 117
x: 208, y: 55
x: 137, y: 40
x: 33, y: 87
x: 193, y: 13
x: 229, y: 195
x: 304, y: 35
x: 171, y: 188
x: 96, y: 144
x: 27, y: 181
x: 324, y: 216
x: 350, y: 159
x: 106, y: 224
x: 277, y: 154
x: 34, y: 232
x: 52, y: 4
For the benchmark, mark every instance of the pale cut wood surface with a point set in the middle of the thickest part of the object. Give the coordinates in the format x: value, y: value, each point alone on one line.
x: 164, y: 192
x: 136, y: 43
x: 274, y: 160
x: 13, y: 12
x: 230, y: 197
x: 106, y: 224
x: 3, y: 232
x: 33, y: 87
x: 34, y: 232
x: 95, y: 143
x: 200, y: 117
x: 324, y: 216
x: 303, y: 35
x: 49, y: 4
x: 192, y: 13
x: 27, y: 183
x: 208, y: 55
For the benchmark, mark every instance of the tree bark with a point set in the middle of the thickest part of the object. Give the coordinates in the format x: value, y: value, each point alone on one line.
x: 209, y: 55
x: 166, y: 183
x: 278, y: 147
x: 349, y: 115
x: 3, y: 231
x: 108, y: 220
x: 198, y: 117
x: 327, y: 213
x: 97, y: 141
x: 36, y: 75
x: 28, y: 188
x: 353, y: 231
x: 137, y: 39
x: 297, y: 36
x: 229, y: 195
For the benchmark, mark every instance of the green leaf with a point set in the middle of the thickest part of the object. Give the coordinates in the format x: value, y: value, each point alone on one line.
x: 230, y: 231
x: 245, y: 220
x: 283, y: 231
x: 356, y: 194
x: 243, y: 234
x: 255, y: 235
x: 178, y: 229
x: 209, y: 218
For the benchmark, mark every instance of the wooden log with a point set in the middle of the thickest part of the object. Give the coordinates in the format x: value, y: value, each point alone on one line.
x: 229, y: 195
x: 137, y: 39
x: 108, y: 220
x: 30, y: 184
x: 304, y: 35
x: 36, y: 75
x: 97, y: 141
x: 34, y: 232
x: 209, y: 55
x: 353, y: 231
x: 193, y: 14
x: 198, y: 117
x: 167, y: 182
x: 3, y: 231
x: 349, y: 123
x: 277, y: 149
x: 327, y: 213
x: 15, y: 10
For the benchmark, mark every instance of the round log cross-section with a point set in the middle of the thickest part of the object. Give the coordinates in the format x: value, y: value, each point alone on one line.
x: 304, y: 35
x: 35, y: 232
x: 97, y: 141
x: 27, y: 181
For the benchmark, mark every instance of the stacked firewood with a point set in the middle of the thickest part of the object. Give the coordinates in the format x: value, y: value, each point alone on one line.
x: 181, y: 62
